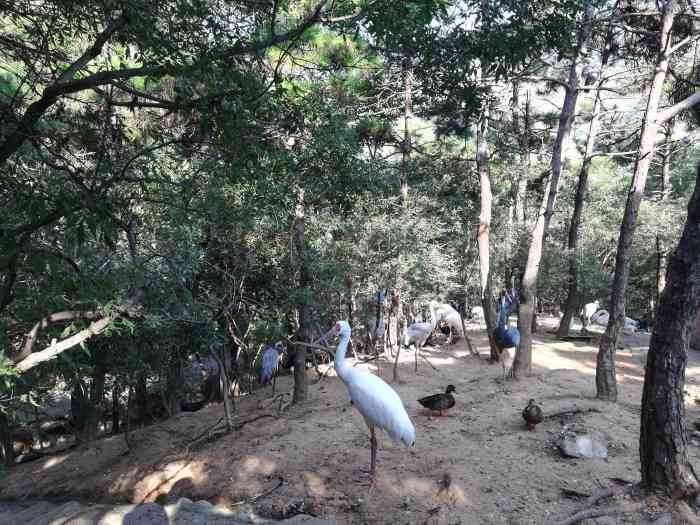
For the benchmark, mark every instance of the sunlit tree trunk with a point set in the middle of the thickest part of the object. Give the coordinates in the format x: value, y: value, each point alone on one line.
x: 606, y: 383
x: 483, y: 235
x: 572, y: 298
x: 303, y: 310
x: 663, y: 443
x: 528, y: 290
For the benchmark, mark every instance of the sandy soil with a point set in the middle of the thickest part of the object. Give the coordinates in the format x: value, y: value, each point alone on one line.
x: 307, y: 459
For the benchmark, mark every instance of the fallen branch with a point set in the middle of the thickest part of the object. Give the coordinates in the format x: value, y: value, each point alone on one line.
x: 611, y: 510
x: 587, y: 511
x: 213, y: 432
x: 571, y: 412
x: 280, y: 482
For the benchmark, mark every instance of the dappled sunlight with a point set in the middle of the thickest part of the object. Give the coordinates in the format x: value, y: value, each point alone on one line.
x: 256, y: 465
x: 166, y: 476
x: 315, y: 484
x: 54, y: 461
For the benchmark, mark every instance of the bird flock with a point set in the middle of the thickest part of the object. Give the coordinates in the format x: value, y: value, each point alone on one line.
x: 380, y: 405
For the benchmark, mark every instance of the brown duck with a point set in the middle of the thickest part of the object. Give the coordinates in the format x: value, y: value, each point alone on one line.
x: 532, y: 414
x: 439, y: 402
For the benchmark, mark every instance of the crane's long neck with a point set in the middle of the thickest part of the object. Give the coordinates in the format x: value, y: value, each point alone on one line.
x: 341, y: 367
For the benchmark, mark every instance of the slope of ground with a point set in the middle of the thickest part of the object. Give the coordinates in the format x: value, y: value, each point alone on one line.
x: 306, y: 459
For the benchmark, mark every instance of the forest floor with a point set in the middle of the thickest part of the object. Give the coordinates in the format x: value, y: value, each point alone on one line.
x: 307, y: 458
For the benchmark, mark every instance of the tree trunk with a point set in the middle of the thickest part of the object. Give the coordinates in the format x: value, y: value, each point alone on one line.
x: 397, y: 308
x: 140, y: 400
x: 303, y: 309
x: 661, y: 264
x: 483, y: 235
x: 572, y: 297
x: 407, y: 70
x: 520, y: 175
x: 86, y: 407
x: 662, y: 441
x: 7, y: 453
x: 606, y: 382
x: 174, y: 381
x: 528, y: 291
x: 223, y: 379
x: 116, y: 406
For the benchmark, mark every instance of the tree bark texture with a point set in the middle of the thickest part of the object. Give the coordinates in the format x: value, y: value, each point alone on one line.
x: 7, y: 454
x: 606, y: 382
x: 572, y: 297
x: 86, y: 406
x: 483, y: 235
x: 662, y: 442
x: 407, y: 70
x: 528, y: 290
x: 303, y: 309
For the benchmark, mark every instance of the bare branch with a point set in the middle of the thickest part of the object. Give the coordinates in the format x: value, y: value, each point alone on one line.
x: 92, y: 52
x: 68, y: 315
x: 674, y: 110
x: 130, y: 308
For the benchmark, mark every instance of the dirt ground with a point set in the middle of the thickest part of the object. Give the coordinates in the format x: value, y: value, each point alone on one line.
x: 307, y: 459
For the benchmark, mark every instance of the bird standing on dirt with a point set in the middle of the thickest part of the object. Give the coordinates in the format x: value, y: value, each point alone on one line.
x: 532, y: 414
x: 439, y: 402
x: 378, y: 403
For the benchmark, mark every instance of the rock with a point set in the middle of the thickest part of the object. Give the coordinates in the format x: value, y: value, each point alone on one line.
x: 146, y: 514
x: 583, y: 445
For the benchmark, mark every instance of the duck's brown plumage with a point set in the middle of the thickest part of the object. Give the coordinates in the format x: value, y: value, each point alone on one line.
x: 532, y: 414
x: 439, y: 402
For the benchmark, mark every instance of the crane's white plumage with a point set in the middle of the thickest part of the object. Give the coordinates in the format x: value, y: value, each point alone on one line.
x: 418, y: 333
x: 445, y: 312
x: 602, y: 318
x: 378, y: 403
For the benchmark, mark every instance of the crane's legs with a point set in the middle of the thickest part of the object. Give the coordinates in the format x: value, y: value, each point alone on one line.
x: 373, y: 457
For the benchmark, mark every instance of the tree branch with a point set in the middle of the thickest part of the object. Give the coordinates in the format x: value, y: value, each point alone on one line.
x: 671, y: 112
x: 92, y: 52
x: 25, y: 361
x: 66, y: 84
x: 68, y: 315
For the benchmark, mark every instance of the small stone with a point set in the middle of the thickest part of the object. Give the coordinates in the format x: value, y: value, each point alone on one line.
x: 584, y: 445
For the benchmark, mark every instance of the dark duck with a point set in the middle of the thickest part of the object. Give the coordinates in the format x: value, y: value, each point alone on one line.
x: 532, y: 414
x: 439, y: 402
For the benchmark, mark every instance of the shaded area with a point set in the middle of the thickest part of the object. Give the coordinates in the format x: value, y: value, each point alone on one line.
x: 498, y: 471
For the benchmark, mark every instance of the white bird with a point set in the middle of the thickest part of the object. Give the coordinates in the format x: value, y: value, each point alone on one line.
x: 587, y: 312
x: 602, y: 318
x: 445, y: 312
x: 477, y: 313
x: 378, y: 403
x: 418, y: 333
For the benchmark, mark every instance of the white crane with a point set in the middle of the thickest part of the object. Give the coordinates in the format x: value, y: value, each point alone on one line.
x: 378, y: 403
x: 587, y: 313
x: 602, y: 317
x: 445, y: 312
x: 418, y: 333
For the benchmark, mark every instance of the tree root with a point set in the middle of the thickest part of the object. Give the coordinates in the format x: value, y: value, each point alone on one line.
x: 588, y: 511
x: 253, y: 499
x: 215, y: 432
x: 610, y: 510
